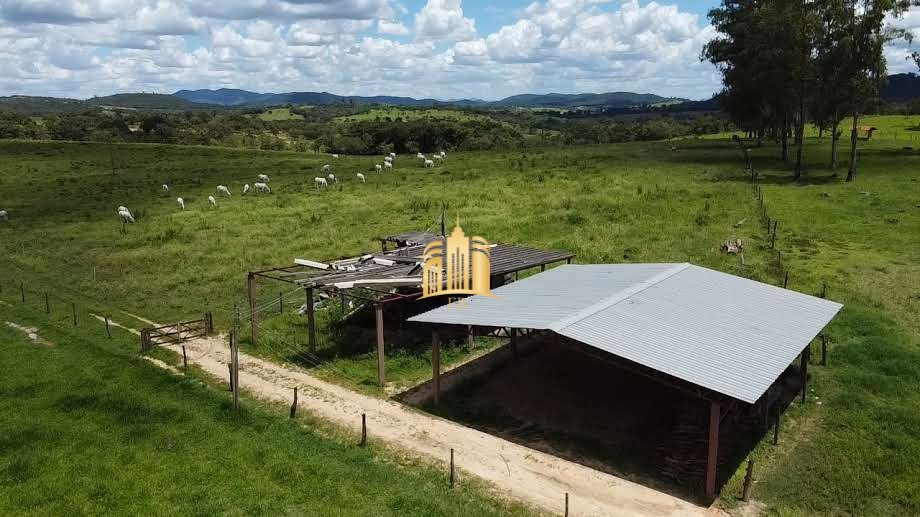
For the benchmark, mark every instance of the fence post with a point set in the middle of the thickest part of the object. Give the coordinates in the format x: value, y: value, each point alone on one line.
x: 253, y: 314
x: 108, y: 331
x: 363, y: 442
x: 22, y: 292
x: 566, y: 504
x: 451, y: 467
x: 776, y: 428
x: 294, y: 404
x: 786, y: 280
x: 280, y: 303
x: 47, y: 305
x: 748, y: 481
x: 823, y: 350
x: 73, y: 307
x: 184, y: 358
x: 235, y: 364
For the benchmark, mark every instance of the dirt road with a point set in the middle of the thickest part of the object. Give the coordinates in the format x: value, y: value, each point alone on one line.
x: 518, y: 472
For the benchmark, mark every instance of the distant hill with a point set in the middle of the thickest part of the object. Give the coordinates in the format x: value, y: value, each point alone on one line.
x: 40, y: 105
x: 147, y: 101
x: 227, y: 97
x: 902, y: 88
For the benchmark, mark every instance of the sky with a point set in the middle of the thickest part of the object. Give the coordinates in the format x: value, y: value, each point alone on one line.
x: 444, y: 49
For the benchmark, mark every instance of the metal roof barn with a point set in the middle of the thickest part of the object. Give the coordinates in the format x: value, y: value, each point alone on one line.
x: 726, y: 333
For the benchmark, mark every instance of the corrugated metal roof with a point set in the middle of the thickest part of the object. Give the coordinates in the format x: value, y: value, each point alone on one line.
x: 726, y: 333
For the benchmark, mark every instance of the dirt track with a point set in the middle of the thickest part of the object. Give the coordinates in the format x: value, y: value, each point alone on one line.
x: 518, y: 472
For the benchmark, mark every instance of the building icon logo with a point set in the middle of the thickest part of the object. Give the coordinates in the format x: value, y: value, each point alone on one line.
x: 456, y: 264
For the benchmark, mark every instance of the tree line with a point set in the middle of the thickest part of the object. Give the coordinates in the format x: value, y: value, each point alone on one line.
x: 787, y: 62
x: 319, y: 131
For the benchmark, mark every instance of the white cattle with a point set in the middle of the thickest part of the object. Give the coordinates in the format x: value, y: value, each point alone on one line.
x: 420, y: 156
x: 393, y: 155
x: 4, y: 215
x: 438, y: 157
x: 165, y: 188
x: 332, y: 178
x: 246, y: 189
x: 125, y: 215
x: 378, y: 167
x: 263, y: 187
x: 320, y: 182
x: 327, y: 168
x: 429, y: 163
x: 388, y: 165
x: 212, y: 201
x: 181, y: 203
x: 264, y: 178
x: 362, y: 178
x: 335, y: 157
x: 221, y: 189
x: 388, y: 158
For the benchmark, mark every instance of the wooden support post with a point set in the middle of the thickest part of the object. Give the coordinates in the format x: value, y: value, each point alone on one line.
x: 452, y: 476
x: 542, y: 267
x: 184, y: 358
x: 47, y: 305
x: 311, y: 321
x: 253, y: 315
x: 73, y: 309
x: 776, y: 427
x: 748, y: 481
x: 235, y: 366
x: 823, y: 350
x: 381, y: 357
x: 280, y: 303
x: 566, y: 504
x: 712, y: 458
x: 108, y: 330
x: 436, y: 364
x: 773, y: 238
x: 469, y: 337
x: 514, y: 348
x: 806, y: 358
x: 786, y: 280
x: 568, y: 260
x: 363, y: 442
x: 230, y: 371
x: 22, y: 292
x: 294, y: 404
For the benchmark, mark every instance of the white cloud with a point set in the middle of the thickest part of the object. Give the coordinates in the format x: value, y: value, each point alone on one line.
x: 391, y: 28
x: 443, y: 19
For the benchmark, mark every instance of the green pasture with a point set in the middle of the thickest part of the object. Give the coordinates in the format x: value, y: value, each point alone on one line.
x: 855, y: 453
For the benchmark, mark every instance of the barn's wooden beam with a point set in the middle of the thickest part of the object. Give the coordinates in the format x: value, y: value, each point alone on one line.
x: 712, y: 458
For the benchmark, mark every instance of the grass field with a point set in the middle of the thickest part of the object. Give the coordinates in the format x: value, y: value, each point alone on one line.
x: 88, y: 427
x: 856, y: 453
x: 279, y: 114
x: 394, y: 113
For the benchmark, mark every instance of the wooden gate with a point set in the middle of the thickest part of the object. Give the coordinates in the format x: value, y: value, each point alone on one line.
x: 176, y: 332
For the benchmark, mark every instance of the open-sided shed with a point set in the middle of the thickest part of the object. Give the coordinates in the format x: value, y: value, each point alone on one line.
x: 391, y: 275
x: 723, y: 338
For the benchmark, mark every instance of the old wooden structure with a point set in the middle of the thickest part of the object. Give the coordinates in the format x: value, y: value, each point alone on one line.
x: 392, y: 275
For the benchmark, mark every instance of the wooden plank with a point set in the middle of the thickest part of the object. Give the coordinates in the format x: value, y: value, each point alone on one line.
x: 381, y: 357
x: 712, y: 457
x: 436, y: 364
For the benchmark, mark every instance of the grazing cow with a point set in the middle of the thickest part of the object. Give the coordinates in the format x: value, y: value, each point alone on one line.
x: 165, y: 188
x: 264, y: 178
x: 378, y: 167
x: 429, y: 163
x: 327, y: 168
x: 362, y: 178
x: 125, y: 215
x: 335, y: 157
x: 388, y: 165
x: 181, y: 203
x: 4, y: 215
x: 223, y: 190
x: 320, y: 182
x: 245, y: 189
x: 393, y: 155
x: 332, y: 178
x: 263, y: 187
x: 212, y: 201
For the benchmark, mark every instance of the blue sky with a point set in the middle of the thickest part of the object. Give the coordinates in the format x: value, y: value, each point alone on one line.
x: 445, y: 49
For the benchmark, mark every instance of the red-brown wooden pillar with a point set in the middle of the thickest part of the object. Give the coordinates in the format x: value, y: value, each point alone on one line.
x: 436, y: 364
x: 381, y: 358
x: 712, y: 458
